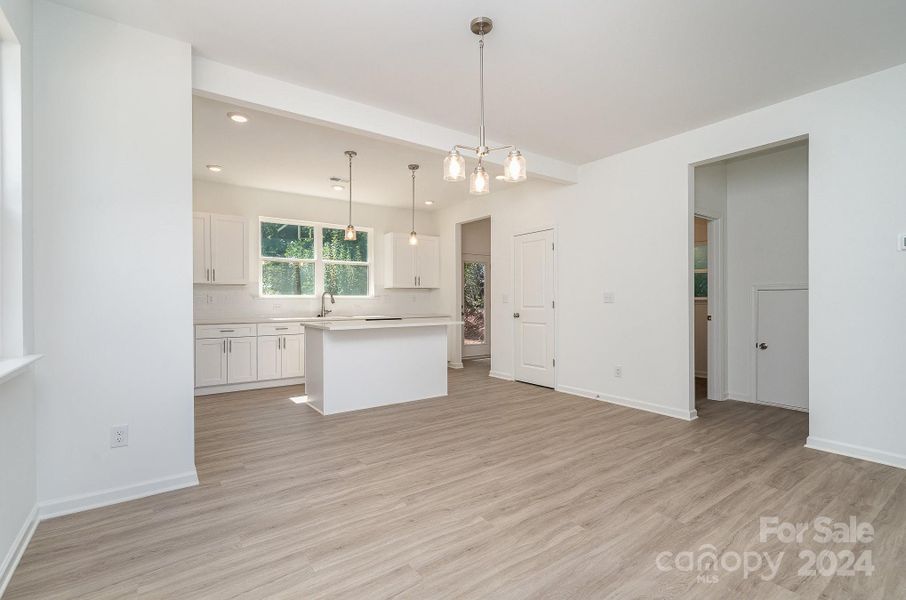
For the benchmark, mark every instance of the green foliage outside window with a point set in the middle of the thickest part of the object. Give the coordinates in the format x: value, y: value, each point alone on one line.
x: 296, y: 276
x: 473, y: 300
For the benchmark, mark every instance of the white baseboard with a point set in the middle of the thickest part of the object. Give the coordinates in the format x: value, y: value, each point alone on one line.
x: 15, y: 552
x: 64, y: 506
x: 501, y: 375
x: 251, y: 385
x: 669, y: 411
x: 861, y: 452
x: 454, y: 365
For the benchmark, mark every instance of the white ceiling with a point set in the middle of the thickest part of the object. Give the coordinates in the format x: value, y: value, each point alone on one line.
x: 575, y: 79
x: 288, y: 155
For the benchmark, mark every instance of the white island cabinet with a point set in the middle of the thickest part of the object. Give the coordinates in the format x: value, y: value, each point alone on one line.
x: 351, y: 365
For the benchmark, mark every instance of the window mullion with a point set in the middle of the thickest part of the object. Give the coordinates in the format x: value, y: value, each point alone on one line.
x: 319, y: 262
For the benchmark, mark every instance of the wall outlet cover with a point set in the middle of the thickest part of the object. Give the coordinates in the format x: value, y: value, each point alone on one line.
x: 119, y: 436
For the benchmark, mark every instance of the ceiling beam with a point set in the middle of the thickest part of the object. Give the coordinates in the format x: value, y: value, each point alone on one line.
x: 223, y: 82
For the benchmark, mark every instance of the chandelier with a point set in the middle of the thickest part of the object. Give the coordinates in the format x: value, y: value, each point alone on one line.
x: 455, y: 164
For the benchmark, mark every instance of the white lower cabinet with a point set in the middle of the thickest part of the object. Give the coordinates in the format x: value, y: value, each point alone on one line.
x: 280, y: 356
x: 210, y: 362
x: 248, y: 352
x: 293, y: 356
x: 242, y: 359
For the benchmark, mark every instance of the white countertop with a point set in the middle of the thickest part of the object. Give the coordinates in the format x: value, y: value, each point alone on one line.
x: 226, y: 321
x: 349, y: 325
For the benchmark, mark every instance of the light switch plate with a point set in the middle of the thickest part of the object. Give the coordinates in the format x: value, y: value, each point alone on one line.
x: 903, y: 241
x: 609, y: 298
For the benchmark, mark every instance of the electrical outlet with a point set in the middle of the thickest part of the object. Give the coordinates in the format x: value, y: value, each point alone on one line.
x: 618, y: 371
x: 119, y: 436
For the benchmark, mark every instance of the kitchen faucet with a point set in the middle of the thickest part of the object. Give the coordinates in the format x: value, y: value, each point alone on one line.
x: 324, y: 311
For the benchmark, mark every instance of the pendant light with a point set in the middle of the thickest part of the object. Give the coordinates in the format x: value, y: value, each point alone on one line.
x: 350, y: 229
x: 455, y: 164
x: 413, y: 238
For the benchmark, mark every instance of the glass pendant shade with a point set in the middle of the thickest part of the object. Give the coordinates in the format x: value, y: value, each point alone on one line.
x: 454, y: 166
x: 479, y: 182
x: 413, y: 239
x: 514, y: 167
x: 350, y: 233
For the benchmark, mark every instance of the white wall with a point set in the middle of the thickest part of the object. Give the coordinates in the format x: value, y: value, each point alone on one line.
x: 18, y: 479
x: 476, y: 238
x: 766, y: 243
x: 519, y: 208
x: 637, y: 206
x: 18, y: 470
x: 243, y: 301
x: 113, y: 284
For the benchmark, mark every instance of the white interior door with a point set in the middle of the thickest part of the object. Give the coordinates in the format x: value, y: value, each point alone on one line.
x: 781, y: 347
x: 533, y: 308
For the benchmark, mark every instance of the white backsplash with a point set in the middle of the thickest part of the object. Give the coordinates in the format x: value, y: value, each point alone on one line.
x: 244, y: 302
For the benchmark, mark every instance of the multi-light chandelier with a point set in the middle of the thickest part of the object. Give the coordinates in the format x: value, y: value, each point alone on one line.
x: 455, y: 164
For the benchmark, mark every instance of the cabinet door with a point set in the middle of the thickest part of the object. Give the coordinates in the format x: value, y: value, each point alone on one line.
x: 210, y: 362
x: 293, y: 356
x: 269, y: 362
x: 242, y: 359
x: 427, y: 253
x: 201, y: 248
x: 400, y: 262
x: 229, y: 249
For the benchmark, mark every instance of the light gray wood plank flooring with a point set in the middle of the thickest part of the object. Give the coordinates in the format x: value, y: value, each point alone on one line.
x: 501, y: 490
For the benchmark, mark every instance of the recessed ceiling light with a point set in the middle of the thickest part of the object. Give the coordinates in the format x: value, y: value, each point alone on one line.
x: 238, y: 117
x: 429, y: 202
x: 499, y: 177
x: 215, y: 168
x: 337, y: 187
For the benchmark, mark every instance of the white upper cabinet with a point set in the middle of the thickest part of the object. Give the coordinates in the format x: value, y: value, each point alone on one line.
x: 221, y: 247
x: 408, y: 266
x: 427, y: 262
x: 201, y: 248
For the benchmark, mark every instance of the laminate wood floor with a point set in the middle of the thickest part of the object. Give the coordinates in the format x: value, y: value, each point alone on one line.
x: 501, y: 490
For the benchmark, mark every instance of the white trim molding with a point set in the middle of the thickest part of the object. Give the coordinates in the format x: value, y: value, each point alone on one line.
x: 20, y: 543
x: 861, y: 452
x: 72, y: 504
x: 660, y: 409
x: 501, y: 375
x: 251, y: 385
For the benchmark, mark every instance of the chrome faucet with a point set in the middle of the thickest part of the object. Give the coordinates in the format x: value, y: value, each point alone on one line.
x: 324, y: 311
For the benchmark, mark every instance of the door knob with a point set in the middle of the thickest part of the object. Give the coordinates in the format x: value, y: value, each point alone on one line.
x: 762, y: 346
x: 515, y: 315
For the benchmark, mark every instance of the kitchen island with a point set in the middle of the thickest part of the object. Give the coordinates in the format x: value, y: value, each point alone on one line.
x: 356, y: 364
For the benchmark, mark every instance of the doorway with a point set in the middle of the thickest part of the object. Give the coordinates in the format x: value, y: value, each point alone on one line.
x: 748, y: 279
x: 476, y: 289
x: 533, y: 304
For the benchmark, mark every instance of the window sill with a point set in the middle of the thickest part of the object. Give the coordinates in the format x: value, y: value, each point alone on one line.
x: 11, y: 367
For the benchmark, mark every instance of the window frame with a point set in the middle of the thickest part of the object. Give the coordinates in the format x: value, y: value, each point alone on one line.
x: 319, y: 261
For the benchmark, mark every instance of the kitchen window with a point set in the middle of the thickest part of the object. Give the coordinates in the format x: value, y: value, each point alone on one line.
x: 301, y: 259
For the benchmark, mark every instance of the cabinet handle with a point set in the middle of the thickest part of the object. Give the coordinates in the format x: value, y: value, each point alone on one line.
x: 279, y: 343
x: 230, y: 345
x: 213, y: 274
x: 227, y: 330
x: 281, y: 328
x: 207, y: 274
x: 224, y: 346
